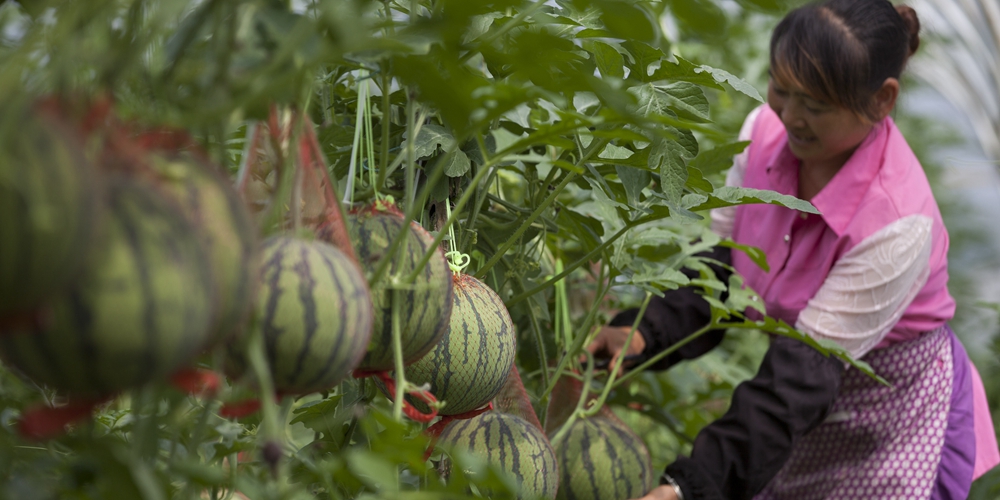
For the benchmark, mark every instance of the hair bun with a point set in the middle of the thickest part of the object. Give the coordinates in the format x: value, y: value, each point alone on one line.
x: 912, y: 25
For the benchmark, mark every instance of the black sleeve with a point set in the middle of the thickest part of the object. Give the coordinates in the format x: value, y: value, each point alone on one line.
x: 737, y: 455
x: 676, y: 315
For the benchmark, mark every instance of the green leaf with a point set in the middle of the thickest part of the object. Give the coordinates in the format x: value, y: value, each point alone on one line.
x: 742, y: 298
x: 650, y: 100
x: 320, y: 416
x: 641, y: 56
x: 588, y: 231
x: 609, y: 61
x: 639, y: 159
x: 373, y: 469
x: 687, y: 99
x: 824, y: 346
x: 429, y: 138
x: 701, y: 16
x: 199, y: 473
x: 727, y: 196
x: 682, y: 70
x: 602, y: 208
x: 771, y: 6
x: 658, y: 277
x: 441, y: 81
x: 718, y: 158
x: 623, y: 134
x: 670, y: 159
x: 755, y: 254
x: 709, y: 284
x: 583, y: 13
x: 627, y: 20
x: 656, y: 237
x: 612, y: 152
x: 480, y: 25
x: 504, y: 138
x: 634, y: 180
x: 594, y: 33
x: 458, y: 165
x: 697, y: 182
x: 706, y: 76
x: 738, y: 84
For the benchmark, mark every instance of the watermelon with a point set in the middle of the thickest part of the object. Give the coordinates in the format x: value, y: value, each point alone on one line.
x: 511, y: 445
x: 470, y: 364
x: 142, y: 308
x: 49, y: 210
x: 314, y: 312
x: 426, y: 303
x: 600, y: 458
x: 226, y: 229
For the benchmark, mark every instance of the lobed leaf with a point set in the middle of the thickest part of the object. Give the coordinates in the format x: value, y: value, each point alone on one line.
x: 727, y: 196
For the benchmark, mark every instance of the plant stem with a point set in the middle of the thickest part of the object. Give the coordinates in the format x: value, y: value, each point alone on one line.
x: 563, y: 362
x: 588, y: 377
x: 525, y: 225
x: 438, y: 170
x: 443, y: 230
x: 580, y: 339
x: 482, y: 192
x: 258, y: 366
x: 666, y: 352
x: 562, y: 308
x: 248, y: 157
x: 583, y: 260
x: 384, y: 144
x: 595, y: 146
x: 411, y: 153
x: 397, y: 351
x: 549, y: 178
x: 145, y: 426
x: 357, y: 157
x: 569, y: 269
x: 596, y: 407
x: 536, y: 330
x: 296, y: 198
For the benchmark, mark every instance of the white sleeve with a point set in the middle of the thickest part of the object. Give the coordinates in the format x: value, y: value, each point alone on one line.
x: 722, y: 218
x: 871, y: 286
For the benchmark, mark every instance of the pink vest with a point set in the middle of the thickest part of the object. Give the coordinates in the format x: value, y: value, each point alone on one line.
x: 881, y: 183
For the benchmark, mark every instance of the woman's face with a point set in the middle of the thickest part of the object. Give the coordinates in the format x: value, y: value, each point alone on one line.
x: 819, y: 133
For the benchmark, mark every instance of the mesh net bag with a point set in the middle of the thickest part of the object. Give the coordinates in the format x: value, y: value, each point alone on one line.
x: 270, y: 151
x: 562, y: 404
x: 513, y: 399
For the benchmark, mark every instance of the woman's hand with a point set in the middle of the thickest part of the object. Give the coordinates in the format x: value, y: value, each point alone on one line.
x: 664, y: 492
x: 610, y: 343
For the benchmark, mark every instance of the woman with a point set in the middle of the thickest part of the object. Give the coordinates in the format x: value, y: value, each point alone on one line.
x: 870, y: 273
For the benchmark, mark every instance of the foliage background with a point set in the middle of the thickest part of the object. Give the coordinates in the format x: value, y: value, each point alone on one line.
x: 212, y: 66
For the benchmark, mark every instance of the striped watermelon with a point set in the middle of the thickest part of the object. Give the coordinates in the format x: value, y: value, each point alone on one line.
x: 600, y: 458
x: 141, y: 309
x: 510, y: 444
x: 226, y: 229
x: 49, y: 210
x: 314, y: 312
x: 471, y: 362
x: 428, y: 301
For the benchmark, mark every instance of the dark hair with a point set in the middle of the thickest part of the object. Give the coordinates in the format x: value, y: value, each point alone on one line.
x: 841, y: 51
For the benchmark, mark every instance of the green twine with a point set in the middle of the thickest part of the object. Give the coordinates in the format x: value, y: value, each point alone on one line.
x: 457, y: 260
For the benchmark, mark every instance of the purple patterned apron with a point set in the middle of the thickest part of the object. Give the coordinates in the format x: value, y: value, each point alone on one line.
x: 899, y: 442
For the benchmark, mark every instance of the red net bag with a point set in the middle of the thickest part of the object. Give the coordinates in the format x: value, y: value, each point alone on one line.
x: 513, y: 399
x: 288, y: 141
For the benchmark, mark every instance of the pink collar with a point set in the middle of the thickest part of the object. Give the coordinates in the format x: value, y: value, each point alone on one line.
x: 839, y: 200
